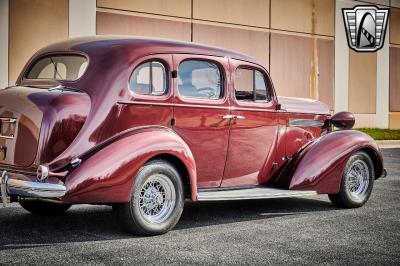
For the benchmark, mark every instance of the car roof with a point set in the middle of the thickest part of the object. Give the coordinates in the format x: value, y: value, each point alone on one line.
x: 141, y: 45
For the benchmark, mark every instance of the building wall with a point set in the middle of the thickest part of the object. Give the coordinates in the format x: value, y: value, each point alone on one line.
x: 4, y: 25
x: 394, y: 66
x: 297, y: 48
x: 33, y: 24
x: 361, y: 79
x: 47, y: 22
x: 301, y: 42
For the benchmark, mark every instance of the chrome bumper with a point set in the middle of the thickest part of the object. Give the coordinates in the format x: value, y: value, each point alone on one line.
x: 31, y: 189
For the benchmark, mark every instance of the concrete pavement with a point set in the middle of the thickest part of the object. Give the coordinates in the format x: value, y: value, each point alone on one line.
x: 279, y: 231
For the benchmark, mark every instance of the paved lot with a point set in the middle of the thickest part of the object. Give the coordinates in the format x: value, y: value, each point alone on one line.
x: 289, y: 231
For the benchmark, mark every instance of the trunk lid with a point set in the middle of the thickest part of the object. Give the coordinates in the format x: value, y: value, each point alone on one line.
x: 21, y: 114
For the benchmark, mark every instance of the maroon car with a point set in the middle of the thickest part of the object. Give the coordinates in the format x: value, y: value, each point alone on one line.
x: 143, y: 124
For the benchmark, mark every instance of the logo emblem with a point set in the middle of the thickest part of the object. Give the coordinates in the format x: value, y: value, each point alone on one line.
x: 365, y: 27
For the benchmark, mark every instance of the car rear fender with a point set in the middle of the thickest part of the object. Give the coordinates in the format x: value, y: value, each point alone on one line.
x: 321, y: 164
x: 107, y: 175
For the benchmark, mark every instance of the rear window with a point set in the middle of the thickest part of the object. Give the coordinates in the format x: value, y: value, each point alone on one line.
x: 58, y: 67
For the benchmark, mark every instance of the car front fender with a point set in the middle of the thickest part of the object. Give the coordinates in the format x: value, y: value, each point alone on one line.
x: 107, y: 175
x: 321, y: 164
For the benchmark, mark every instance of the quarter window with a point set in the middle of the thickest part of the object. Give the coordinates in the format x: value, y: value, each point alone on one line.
x: 199, y: 79
x: 251, y: 86
x: 149, y: 78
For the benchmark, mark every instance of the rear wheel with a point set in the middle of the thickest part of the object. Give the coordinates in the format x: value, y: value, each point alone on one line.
x: 156, y: 201
x: 44, y: 207
x: 357, y: 182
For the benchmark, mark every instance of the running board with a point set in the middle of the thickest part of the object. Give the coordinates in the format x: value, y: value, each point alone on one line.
x: 251, y: 193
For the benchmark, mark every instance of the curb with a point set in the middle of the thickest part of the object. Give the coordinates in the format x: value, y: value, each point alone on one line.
x: 388, y: 144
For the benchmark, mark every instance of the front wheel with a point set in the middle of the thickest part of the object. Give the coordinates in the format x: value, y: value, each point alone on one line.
x: 357, y: 182
x: 156, y: 201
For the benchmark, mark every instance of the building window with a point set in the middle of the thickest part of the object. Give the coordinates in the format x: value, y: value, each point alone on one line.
x: 200, y: 79
x: 149, y: 78
x: 251, y: 86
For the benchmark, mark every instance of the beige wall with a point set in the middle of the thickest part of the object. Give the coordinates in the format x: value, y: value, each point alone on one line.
x: 292, y: 59
x: 362, y: 82
x: 34, y: 24
x: 309, y: 16
x: 3, y: 43
x: 299, y: 42
x: 394, y: 63
x: 394, y: 120
x: 395, y: 25
x: 177, y: 8
x: 241, y: 12
x: 290, y: 64
x: 326, y: 67
x: 81, y: 18
x: 394, y: 97
x: 253, y: 42
x: 122, y: 23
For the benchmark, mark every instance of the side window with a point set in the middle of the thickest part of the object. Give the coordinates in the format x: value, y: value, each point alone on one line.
x: 199, y: 79
x: 251, y: 86
x: 149, y: 78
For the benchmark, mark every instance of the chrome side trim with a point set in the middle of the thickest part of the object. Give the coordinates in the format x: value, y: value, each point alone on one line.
x: 6, y: 137
x: 8, y: 120
x: 32, y: 189
x: 75, y: 162
x: 251, y: 193
x: 202, y: 106
x: 305, y: 123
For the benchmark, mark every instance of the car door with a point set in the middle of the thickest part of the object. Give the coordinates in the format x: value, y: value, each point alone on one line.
x: 149, y: 100
x: 200, y: 105
x: 254, y: 126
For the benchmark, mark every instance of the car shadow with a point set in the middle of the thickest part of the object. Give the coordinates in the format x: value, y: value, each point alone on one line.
x: 201, y: 214
x: 82, y: 223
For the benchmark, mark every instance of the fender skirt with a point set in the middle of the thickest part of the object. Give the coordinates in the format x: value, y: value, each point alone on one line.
x: 107, y: 175
x: 320, y: 165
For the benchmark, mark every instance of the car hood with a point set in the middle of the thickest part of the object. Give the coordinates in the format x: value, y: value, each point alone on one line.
x: 305, y: 106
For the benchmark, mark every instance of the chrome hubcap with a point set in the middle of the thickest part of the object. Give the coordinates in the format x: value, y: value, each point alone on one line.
x: 157, y: 199
x: 357, y: 180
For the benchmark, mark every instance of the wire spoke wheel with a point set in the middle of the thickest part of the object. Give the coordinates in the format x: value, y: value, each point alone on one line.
x: 157, y: 198
x: 357, y: 180
x: 356, y: 183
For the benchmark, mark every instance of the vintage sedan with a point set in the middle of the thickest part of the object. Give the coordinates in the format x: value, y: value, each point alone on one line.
x: 143, y: 124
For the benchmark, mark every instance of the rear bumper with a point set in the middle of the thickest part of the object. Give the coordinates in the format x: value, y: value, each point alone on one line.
x: 19, y: 185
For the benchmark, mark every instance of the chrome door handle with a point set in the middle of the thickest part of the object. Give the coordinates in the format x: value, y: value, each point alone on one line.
x: 228, y: 117
x: 233, y: 117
